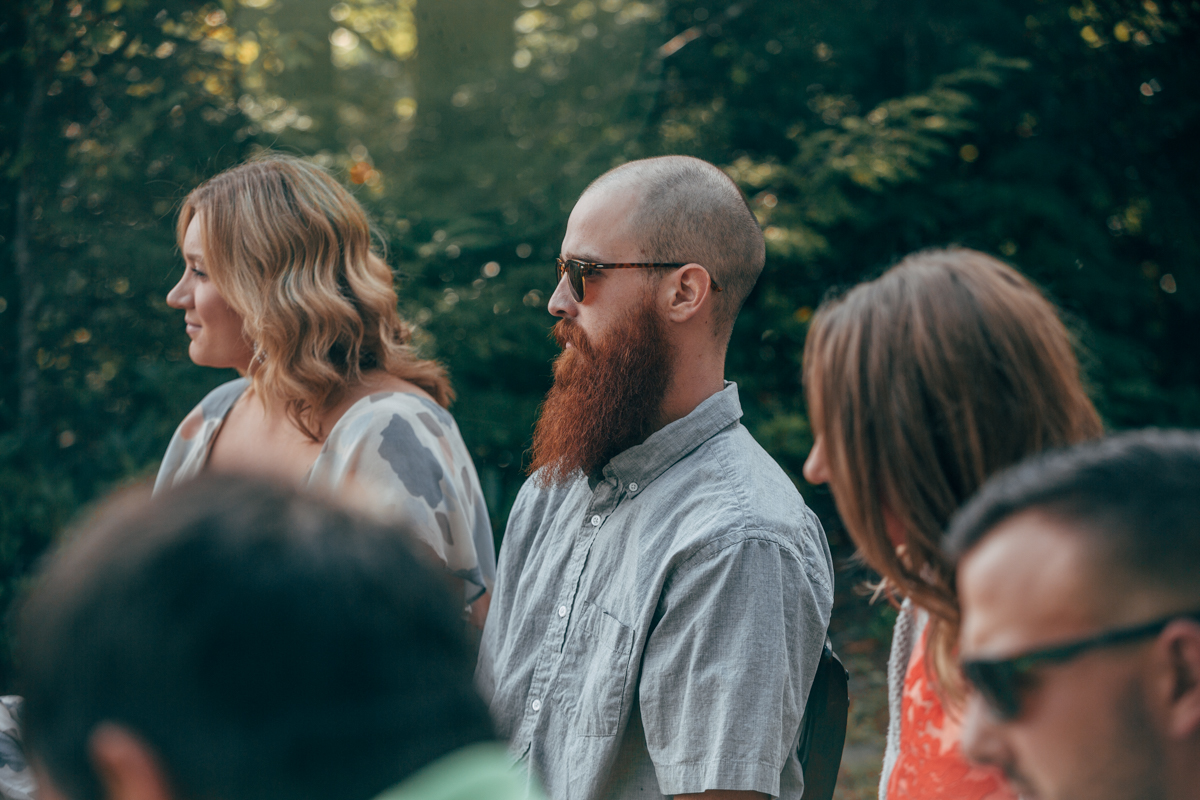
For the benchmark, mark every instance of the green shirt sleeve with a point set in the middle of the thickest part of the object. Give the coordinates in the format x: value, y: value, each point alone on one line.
x: 478, y: 772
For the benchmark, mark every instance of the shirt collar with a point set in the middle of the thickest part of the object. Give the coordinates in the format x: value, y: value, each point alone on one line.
x: 643, y: 463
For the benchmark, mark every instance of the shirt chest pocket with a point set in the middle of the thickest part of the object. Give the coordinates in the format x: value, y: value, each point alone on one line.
x: 596, y: 671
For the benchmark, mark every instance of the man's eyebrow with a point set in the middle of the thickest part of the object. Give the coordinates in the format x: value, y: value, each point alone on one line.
x: 591, y: 259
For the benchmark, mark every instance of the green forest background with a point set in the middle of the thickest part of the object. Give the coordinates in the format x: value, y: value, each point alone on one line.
x: 1061, y: 136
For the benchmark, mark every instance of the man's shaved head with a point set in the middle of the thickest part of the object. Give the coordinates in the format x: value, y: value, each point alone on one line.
x: 688, y: 210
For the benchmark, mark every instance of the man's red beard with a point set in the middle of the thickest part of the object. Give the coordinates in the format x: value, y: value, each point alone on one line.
x: 607, y: 395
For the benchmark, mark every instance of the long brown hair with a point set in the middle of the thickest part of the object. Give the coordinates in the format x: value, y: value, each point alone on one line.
x: 290, y: 250
x: 922, y: 383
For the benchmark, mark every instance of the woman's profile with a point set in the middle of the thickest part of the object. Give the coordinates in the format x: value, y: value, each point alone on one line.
x: 920, y: 384
x: 282, y: 284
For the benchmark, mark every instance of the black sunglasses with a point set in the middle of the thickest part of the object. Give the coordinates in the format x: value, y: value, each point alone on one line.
x: 1001, y: 681
x: 577, y: 271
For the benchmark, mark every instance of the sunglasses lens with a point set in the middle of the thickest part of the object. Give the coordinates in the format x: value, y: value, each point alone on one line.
x: 574, y: 273
x: 997, y: 682
x: 575, y: 279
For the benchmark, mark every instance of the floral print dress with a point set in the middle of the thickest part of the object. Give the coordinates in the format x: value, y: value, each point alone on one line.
x: 930, y: 764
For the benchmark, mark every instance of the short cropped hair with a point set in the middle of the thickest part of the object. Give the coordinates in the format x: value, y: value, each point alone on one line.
x: 688, y: 210
x: 265, y: 645
x: 1135, y: 496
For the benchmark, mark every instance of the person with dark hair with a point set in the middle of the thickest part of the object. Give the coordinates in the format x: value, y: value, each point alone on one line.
x: 269, y: 646
x: 1079, y: 577
x: 663, y: 592
x: 920, y: 384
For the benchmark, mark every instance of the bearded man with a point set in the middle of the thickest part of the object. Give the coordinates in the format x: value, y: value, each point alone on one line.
x: 663, y: 591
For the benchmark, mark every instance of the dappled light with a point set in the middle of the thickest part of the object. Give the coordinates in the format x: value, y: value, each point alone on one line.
x: 1059, y: 135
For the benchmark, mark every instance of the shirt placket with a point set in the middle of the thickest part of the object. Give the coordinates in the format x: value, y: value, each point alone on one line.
x: 597, y: 511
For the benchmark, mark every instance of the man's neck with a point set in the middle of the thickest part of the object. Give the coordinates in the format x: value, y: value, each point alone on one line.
x: 694, y: 379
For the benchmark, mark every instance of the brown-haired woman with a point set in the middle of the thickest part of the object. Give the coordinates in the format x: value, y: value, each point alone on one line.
x: 282, y: 284
x: 920, y: 384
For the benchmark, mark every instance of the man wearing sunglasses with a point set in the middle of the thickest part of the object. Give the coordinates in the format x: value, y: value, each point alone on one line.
x: 1079, y: 578
x: 663, y: 592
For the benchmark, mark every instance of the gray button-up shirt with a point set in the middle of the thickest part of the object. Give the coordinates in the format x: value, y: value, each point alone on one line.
x: 655, y: 630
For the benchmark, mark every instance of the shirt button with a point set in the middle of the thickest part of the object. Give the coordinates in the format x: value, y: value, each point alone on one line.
x: 633, y: 487
x: 536, y: 705
x: 596, y: 521
x: 562, y: 611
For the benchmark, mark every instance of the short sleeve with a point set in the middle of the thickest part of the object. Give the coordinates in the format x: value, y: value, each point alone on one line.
x: 405, y: 458
x: 728, y: 666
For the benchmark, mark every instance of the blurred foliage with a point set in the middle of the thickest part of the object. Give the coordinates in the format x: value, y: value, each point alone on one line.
x: 1053, y: 133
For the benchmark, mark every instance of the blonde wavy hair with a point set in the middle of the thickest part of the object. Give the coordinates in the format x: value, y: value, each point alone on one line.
x: 922, y: 383
x: 290, y: 250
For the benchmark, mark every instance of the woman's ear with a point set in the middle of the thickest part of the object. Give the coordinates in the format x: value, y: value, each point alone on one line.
x: 127, y: 768
x: 688, y: 287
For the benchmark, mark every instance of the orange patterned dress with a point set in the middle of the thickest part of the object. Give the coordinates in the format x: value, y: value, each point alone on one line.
x: 930, y: 765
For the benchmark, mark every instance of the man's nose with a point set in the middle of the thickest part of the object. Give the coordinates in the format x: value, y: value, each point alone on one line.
x: 562, y: 302
x: 982, y: 734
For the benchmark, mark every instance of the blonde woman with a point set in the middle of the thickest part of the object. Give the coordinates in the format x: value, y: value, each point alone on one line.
x: 920, y: 385
x: 281, y: 283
